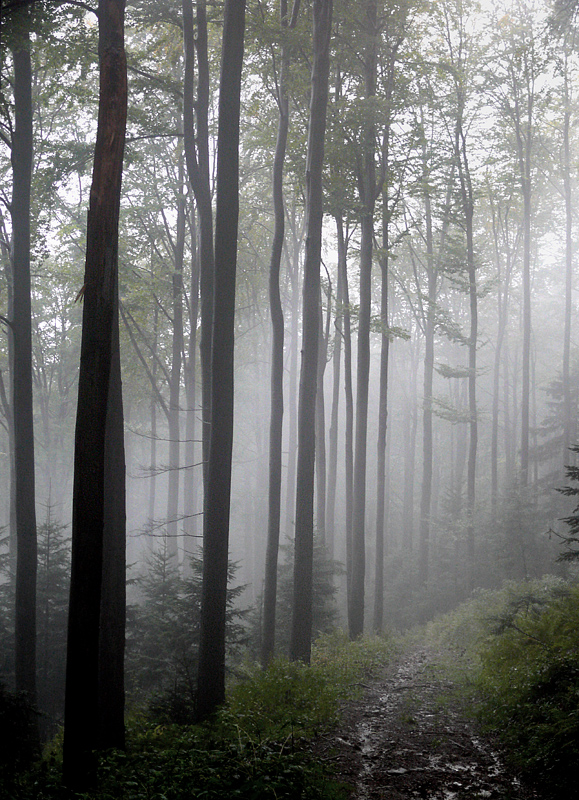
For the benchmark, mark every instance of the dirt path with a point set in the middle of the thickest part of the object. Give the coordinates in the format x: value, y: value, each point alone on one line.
x: 408, y: 739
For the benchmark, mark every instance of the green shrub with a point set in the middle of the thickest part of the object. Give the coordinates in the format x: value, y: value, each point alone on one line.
x: 529, y: 682
x: 294, y: 699
x: 516, y: 650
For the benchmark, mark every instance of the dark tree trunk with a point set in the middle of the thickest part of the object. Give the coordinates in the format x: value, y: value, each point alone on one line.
x: 426, y: 490
x: 569, y: 424
x: 292, y: 389
x: 367, y: 193
x: 153, y: 413
x: 98, y: 508
x: 468, y: 210
x: 321, y: 465
x: 382, y: 425
x: 333, y: 433
x: 301, y: 631
x: 190, y: 477
x: 175, y: 379
x: 22, y: 400
x: 211, y: 678
x: 196, y: 143
x: 349, y: 397
x: 277, y: 347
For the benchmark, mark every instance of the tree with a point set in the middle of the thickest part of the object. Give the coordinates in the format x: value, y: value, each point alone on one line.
x: 301, y: 633
x: 211, y: 678
x: 196, y: 144
x: 367, y: 191
x: 94, y: 702
x: 22, y: 400
x: 277, y: 322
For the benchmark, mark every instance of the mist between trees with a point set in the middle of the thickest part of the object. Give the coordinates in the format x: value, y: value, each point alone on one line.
x: 376, y: 389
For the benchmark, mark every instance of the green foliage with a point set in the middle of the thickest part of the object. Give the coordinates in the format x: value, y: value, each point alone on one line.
x: 295, y: 699
x: 17, y: 718
x: 185, y: 763
x: 163, y: 638
x: 51, y: 619
x: 530, y: 685
x: 324, y: 611
x: 571, y: 541
x: 255, y: 749
x: 517, y: 648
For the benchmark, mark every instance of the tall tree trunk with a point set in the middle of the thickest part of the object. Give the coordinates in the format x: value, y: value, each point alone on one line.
x: 22, y: 400
x: 211, y: 678
x: 349, y: 397
x: 569, y: 423
x: 292, y: 388
x: 301, y: 631
x: 382, y: 420
x: 190, y: 480
x: 175, y: 378
x: 277, y: 323
x: 98, y: 534
x: 196, y: 144
x: 411, y: 426
x: 333, y: 433
x: 426, y: 490
x: 321, y: 465
x: 153, y: 414
x: 468, y: 210
x: 367, y: 193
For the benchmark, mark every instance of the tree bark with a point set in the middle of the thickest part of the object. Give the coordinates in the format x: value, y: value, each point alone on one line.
x: 22, y: 396
x: 367, y: 193
x: 277, y: 351
x: 301, y: 631
x: 177, y: 343
x: 196, y: 144
x: 333, y: 432
x: 98, y: 496
x: 211, y: 678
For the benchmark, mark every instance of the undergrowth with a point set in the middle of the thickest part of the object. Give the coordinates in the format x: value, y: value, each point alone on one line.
x: 257, y: 747
x: 516, y: 651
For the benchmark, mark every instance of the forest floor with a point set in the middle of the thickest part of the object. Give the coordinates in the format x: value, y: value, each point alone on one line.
x: 409, y: 738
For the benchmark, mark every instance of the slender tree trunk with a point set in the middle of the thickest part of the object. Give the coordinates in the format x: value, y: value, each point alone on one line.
x: 211, y: 678
x: 98, y: 518
x: 468, y: 210
x: 153, y: 413
x: 367, y: 193
x: 321, y: 466
x: 175, y: 379
x: 190, y: 480
x: 426, y: 491
x: 568, y: 425
x: 22, y: 400
x: 277, y: 322
x: 382, y: 426
x: 349, y: 398
x: 293, y: 390
x: 301, y: 631
x: 196, y: 144
x: 411, y: 427
x: 333, y: 433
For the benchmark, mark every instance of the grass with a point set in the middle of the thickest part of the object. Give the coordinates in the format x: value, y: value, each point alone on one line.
x: 256, y: 748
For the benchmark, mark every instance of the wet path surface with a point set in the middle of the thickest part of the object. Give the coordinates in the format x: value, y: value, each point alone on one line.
x: 408, y: 739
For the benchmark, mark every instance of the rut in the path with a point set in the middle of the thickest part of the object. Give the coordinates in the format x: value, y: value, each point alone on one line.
x: 406, y: 740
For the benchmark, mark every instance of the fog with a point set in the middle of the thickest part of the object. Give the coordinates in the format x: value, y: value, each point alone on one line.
x: 474, y: 114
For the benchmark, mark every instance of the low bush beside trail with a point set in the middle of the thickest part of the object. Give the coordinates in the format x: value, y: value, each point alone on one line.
x: 517, y: 651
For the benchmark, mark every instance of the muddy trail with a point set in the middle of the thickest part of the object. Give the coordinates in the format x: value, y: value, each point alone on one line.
x: 409, y: 738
